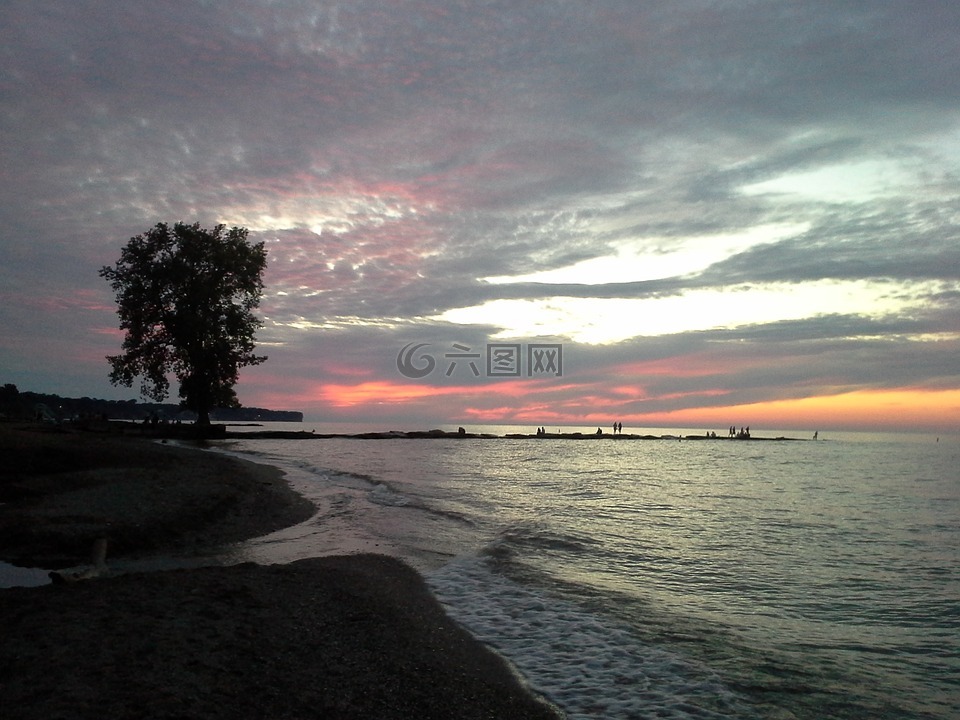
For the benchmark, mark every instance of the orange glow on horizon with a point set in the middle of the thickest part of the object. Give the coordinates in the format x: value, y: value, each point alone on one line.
x: 906, y: 409
x: 381, y: 392
x: 879, y: 409
x: 377, y: 393
x: 575, y: 405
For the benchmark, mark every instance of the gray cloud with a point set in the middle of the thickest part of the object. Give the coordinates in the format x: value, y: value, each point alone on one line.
x: 393, y: 155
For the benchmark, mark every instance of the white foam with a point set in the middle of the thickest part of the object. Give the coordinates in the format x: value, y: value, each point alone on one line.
x: 587, y: 665
x: 383, y: 495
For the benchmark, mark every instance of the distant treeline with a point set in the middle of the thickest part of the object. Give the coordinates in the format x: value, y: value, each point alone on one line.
x: 32, y: 406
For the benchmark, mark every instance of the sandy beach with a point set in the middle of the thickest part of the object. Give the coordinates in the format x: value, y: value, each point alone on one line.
x: 342, y: 637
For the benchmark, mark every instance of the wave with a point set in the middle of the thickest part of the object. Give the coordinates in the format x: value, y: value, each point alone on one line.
x: 539, y: 539
x: 590, y: 666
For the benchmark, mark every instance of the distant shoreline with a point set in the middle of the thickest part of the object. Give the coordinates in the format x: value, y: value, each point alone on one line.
x: 222, y: 431
x: 455, y: 435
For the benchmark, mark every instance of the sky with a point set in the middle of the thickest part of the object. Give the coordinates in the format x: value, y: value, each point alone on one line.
x: 696, y: 213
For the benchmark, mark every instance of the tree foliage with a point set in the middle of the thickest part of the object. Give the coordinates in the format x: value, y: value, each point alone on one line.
x: 185, y: 296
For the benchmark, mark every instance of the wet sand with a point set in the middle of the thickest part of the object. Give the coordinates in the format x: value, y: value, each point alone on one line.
x: 355, y: 636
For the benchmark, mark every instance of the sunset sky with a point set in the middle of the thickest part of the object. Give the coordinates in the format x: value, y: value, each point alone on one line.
x: 700, y: 213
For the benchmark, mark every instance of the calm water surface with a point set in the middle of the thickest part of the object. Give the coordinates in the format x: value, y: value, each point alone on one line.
x: 657, y: 578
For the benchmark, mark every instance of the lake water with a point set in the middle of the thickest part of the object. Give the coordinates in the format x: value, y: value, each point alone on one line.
x: 665, y: 578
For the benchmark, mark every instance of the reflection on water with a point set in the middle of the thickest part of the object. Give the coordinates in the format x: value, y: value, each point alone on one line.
x: 815, y: 576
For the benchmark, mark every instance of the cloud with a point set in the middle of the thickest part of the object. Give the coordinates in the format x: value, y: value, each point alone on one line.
x: 773, y: 183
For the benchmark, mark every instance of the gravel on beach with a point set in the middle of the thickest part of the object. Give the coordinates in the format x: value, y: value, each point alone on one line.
x: 354, y: 636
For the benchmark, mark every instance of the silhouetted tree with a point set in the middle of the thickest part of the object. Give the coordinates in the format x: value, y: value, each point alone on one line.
x: 9, y: 393
x: 9, y: 399
x: 185, y: 296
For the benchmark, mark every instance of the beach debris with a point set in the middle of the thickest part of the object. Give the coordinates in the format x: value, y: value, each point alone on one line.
x: 96, y: 568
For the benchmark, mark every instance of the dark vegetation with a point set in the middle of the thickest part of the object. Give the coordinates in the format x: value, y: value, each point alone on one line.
x: 185, y: 297
x: 16, y: 405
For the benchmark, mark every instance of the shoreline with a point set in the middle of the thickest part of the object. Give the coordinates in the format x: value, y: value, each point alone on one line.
x: 447, y: 434
x: 335, y: 637
x: 63, y: 490
x: 221, y: 431
x: 347, y: 636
